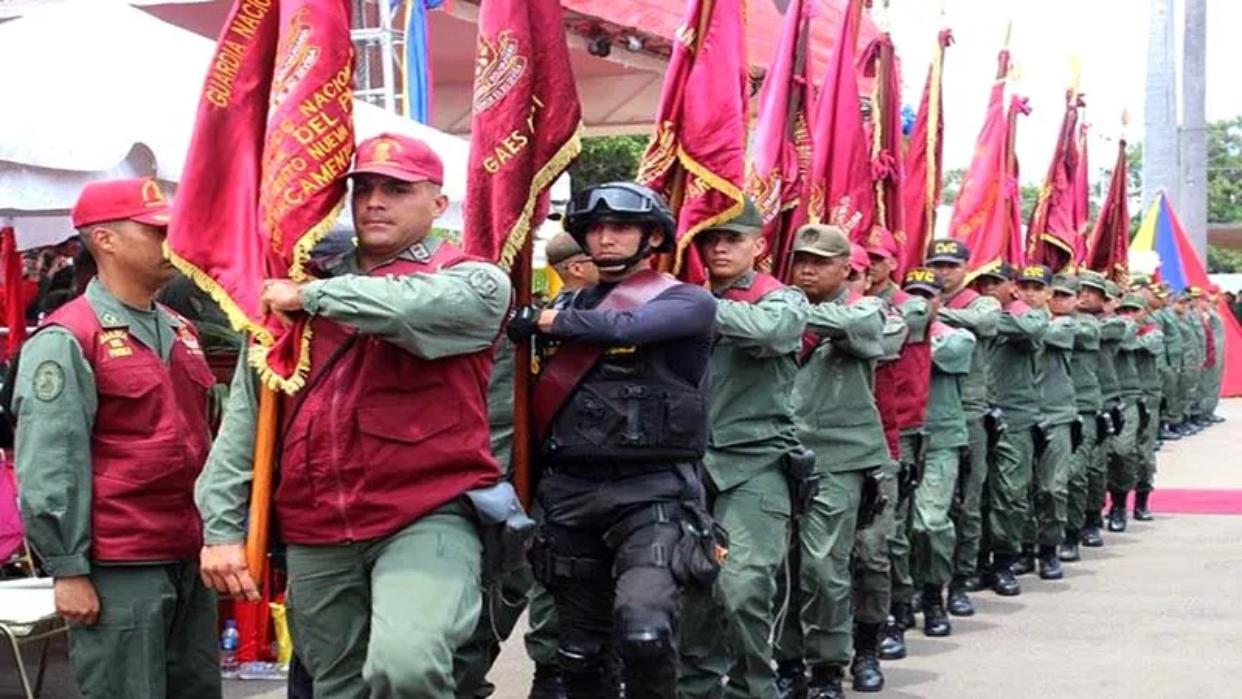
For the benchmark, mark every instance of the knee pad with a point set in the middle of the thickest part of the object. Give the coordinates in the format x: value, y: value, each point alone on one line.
x: 647, y: 643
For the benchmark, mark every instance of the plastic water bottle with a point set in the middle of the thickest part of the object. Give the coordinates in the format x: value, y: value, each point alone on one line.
x: 229, y: 642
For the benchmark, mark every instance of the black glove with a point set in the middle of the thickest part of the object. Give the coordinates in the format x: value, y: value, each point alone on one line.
x: 523, y: 323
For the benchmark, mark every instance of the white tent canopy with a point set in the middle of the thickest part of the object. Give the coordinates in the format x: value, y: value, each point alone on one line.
x: 97, y: 88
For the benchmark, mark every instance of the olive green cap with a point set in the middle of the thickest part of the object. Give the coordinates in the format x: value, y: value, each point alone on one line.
x: 1112, y: 290
x: 822, y: 240
x: 1132, y: 301
x: 561, y: 247
x: 748, y: 221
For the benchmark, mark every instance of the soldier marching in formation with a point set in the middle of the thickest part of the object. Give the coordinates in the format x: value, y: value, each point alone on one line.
x: 749, y: 489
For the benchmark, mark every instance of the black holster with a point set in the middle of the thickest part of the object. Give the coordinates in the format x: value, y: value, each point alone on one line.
x: 1144, y: 415
x: 1076, y: 434
x: 1118, y: 416
x: 874, y: 501
x: 963, y: 475
x: 504, y: 528
x: 1103, y: 427
x: 911, y: 473
x: 700, y: 552
x: 1040, y: 436
x: 994, y: 425
x: 799, y: 468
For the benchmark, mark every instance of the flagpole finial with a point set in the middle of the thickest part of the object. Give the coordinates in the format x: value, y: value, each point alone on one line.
x: 1008, y: 33
x: 944, y: 8
x: 1075, y: 74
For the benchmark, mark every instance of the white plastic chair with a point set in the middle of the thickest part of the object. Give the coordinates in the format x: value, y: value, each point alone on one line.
x: 28, y: 615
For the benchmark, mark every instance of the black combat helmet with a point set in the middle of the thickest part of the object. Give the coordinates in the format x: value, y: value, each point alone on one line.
x: 623, y: 202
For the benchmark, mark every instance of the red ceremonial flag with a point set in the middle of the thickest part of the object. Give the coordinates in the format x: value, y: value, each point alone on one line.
x: 879, y: 61
x: 1052, y: 236
x: 1018, y: 106
x: 983, y: 213
x: 525, y: 126
x: 924, y: 181
x: 1082, y: 197
x: 263, y: 178
x: 14, y: 291
x: 697, y: 155
x: 1109, y: 249
x: 839, y: 187
x: 781, y: 154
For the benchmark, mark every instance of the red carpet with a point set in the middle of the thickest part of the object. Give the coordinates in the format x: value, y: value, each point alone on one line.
x: 1197, y: 502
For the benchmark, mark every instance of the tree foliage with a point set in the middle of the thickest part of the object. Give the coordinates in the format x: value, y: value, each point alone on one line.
x: 1224, y: 175
x: 607, y: 159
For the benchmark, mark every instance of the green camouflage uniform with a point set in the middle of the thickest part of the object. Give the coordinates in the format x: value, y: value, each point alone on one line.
x: 1050, y: 482
x: 980, y: 317
x: 156, y: 634
x: 915, y: 313
x: 1171, y: 408
x: 1209, y: 386
x: 1194, y: 357
x: 835, y: 414
x: 931, y: 526
x: 727, y: 632
x: 1089, y: 401
x: 358, y: 610
x: 1112, y: 333
x: 1015, y: 367
x: 1150, y: 360
x: 1123, y: 465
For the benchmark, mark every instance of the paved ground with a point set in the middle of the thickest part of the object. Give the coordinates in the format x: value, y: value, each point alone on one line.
x: 1152, y: 614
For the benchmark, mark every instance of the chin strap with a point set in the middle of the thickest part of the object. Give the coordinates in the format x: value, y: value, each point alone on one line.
x: 644, y: 251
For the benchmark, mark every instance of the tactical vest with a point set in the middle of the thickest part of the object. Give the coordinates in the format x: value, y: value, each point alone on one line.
x: 149, y: 442
x: 911, y: 378
x: 380, y: 437
x: 630, y: 406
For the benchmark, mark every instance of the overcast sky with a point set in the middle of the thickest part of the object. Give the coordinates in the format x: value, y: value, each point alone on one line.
x: 1109, y: 36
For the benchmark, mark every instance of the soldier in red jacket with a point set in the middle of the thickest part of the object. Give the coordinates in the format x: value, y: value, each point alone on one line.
x: 111, y: 398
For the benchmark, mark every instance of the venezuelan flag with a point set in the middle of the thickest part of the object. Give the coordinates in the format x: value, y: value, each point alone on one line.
x: 1180, y: 267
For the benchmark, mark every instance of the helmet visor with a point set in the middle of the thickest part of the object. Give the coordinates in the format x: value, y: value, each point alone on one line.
x: 617, y: 200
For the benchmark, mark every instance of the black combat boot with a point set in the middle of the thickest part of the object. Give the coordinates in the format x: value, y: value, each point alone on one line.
x: 892, y: 640
x: 826, y: 682
x: 1141, y: 513
x: 959, y: 601
x: 1168, y: 434
x: 791, y: 679
x: 866, y: 665
x: 935, y: 620
x: 1049, y: 564
x: 1003, y: 581
x: 1091, y: 537
x: 904, y: 614
x: 1117, y: 511
x: 1026, y: 562
x: 548, y: 683
x: 1068, y: 553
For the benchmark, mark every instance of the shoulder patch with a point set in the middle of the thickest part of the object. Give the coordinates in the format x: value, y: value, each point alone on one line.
x: 484, y: 283
x: 49, y: 381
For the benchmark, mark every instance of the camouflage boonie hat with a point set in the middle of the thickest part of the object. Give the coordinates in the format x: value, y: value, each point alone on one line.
x: 822, y: 240
x: 1092, y: 279
x: 1065, y: 284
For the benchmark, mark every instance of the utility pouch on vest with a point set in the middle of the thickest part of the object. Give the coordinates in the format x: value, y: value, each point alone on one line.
x: 803, y: 480
x: 911, y: 473
x: 994, y: 426
x: 701, y: 550
x: 1040, y: 436
x: 1103, y: 426
x: 874, y: 501
x: 504, y: 528
x: 1118, y: 416
x: 1076, y: 434
x: 1144, y: 415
